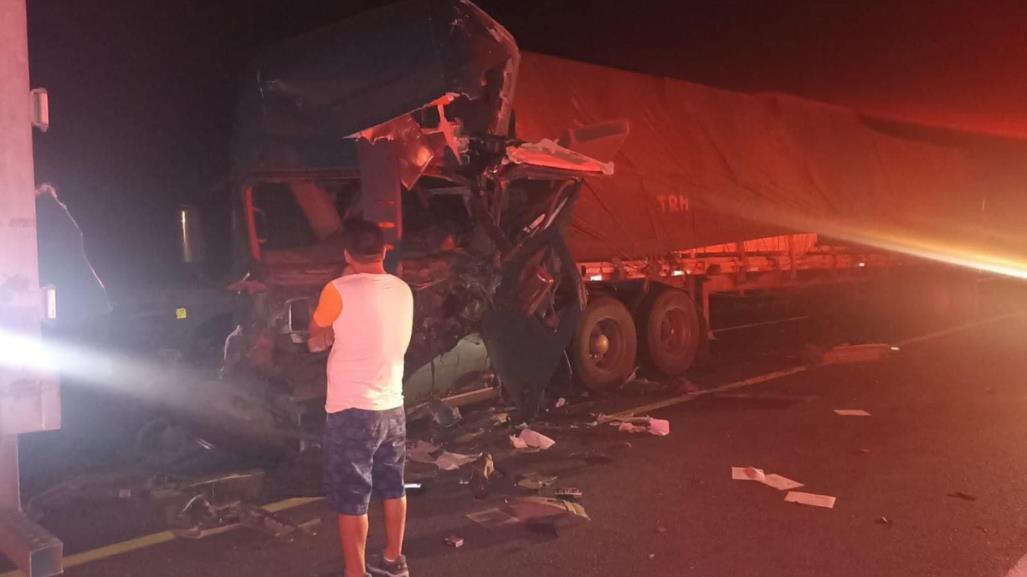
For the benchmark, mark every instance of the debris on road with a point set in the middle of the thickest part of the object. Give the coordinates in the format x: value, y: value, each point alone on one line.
x: 882, y: 520
x: 658, y: 427
x: 632, y: 428
x: 492, y: 518
x: 535, y: 481
x: 452, y: 461
x: 454, y: 541
x: 811, y: 499
x: 427, y: 453
x: 422, y: 452
x: 962, y: 495
x: 861, y: 451
x: 545, y: 511
x: 780, y: 483
x: 481, y: 475
x: 529, y: 439
x: 561, y: 402
x: 747, y: 474
x: 572, y: 493
x: 769, y: 479
x: 851, y: 413
x: 444, y: 415
x: 652, y: 556
x: 414, y: 489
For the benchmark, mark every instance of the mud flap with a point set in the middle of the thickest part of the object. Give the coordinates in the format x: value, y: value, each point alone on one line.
x: 525, y: 353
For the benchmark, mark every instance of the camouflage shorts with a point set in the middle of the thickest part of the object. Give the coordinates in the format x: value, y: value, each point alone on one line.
x: 364, y: 453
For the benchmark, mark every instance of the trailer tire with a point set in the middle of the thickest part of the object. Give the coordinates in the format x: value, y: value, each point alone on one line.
x: 605, y: 348
x: 669, y: 331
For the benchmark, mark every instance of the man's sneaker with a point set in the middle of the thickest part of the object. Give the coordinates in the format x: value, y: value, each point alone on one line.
x: 379, y: 567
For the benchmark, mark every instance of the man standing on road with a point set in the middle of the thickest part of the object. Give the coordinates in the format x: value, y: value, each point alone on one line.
x: 366, y: 316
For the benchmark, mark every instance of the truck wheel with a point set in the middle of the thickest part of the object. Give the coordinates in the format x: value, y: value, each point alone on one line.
x: 605, y: 347
x: 669, y: 327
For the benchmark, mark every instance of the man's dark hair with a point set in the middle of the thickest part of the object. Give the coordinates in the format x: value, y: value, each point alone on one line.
x: 363, y: 239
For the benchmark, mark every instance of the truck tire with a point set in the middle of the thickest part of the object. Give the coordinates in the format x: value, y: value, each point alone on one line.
x: 669, y: 328
x: 605, y: 348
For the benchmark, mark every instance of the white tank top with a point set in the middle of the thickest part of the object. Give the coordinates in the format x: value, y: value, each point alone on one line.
x: 365, y: 366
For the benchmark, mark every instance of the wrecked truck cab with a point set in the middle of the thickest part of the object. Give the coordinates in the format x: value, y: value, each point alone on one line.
x: 401, y: 116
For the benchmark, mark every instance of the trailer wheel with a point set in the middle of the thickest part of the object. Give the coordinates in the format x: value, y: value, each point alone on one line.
x: 670, y: 331
x: 605, y: 348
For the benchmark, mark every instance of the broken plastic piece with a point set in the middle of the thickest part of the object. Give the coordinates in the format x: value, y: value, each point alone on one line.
x: 517, y: 442
x: 851, y: 412
x: 811, y: 499
x: 747, y: 474
x: 534, y: 439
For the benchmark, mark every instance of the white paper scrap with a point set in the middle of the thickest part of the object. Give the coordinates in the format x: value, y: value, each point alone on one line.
x: 811, y: 499
x: 851, y: 412
x: 747, y: 474
x: 780, y: 483
x: 659, y: 427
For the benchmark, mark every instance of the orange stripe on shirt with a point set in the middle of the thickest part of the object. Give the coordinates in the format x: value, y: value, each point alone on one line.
x: 329, y: 306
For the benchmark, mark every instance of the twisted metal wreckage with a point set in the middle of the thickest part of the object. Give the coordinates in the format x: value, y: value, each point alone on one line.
x: 403, y: 116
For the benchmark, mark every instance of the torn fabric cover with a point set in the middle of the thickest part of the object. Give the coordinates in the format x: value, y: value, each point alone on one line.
x: 303, y: 97
x: 703, y: 166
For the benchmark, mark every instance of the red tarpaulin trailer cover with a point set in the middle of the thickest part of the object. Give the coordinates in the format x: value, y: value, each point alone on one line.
x: 703, y: 166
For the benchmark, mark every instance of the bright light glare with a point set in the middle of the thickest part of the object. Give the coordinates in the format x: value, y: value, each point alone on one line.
x: 596, y: 277
x: 22, y: 352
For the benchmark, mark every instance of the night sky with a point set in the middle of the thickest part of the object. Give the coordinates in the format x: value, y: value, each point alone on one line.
x: 142, y: 91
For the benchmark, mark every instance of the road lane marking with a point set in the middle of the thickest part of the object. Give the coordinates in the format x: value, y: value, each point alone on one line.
x: 145, y: 541
x: 665, y: 403
x: 957, y: 329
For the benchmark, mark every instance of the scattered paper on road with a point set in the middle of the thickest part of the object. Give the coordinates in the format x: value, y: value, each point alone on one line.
x: 659, y: 427
x: 452, y: 461
x: 851, y: 412
x: 811, y: 499
x: 747, y: 474
x: 780, y: 483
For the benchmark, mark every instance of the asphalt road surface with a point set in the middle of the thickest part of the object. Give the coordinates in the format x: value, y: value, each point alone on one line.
x: 932, y: 483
